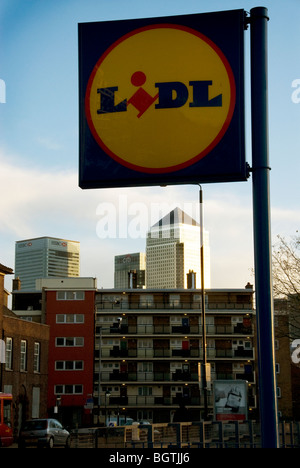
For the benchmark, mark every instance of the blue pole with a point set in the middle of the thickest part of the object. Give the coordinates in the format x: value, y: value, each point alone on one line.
x: 262, y: 230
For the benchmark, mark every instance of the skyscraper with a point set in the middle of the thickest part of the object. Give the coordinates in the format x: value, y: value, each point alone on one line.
x: 45, y: 257
x: 173, y: 250
x: 130, y: 271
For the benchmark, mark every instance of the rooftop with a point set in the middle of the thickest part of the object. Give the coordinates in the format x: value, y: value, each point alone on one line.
x: 6, y: 270
x: 176, y: 216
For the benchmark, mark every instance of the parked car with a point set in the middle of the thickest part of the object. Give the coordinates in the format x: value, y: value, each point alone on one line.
x: 43, y: 432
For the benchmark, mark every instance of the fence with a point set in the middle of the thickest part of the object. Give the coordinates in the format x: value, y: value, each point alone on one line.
x: 184, y: 435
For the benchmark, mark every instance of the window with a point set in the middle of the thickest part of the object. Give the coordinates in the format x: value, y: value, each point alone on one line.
x: 35, y: 412
x: 69, y: 365
x: 23, y: 356
x: 77, y: 341
x: 174, y: 300
x: 70, y: 296
x: 9, y: 353
x: 69, y: 318
x: 146, y: 343
x: 145, y: 366
x: 36, y: 357
x: 68, y: 389
x: 145, y: 391
x: 146, y: 300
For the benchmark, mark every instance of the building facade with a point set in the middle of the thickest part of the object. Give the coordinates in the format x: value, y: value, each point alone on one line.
x: 130, y: 270
x: 25, y: 372
x: 149, y: 359
x: 151, y: 344
x: 287, y: 372
x: 46, y: 257
x: 24, y: 362
x: 173, y: 249
x: 3, y: 293
x: 67, y: 306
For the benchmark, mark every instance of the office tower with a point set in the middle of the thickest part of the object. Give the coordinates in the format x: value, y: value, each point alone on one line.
x: 45, y: 257
x: 173, y: 250
x: 130, y: 271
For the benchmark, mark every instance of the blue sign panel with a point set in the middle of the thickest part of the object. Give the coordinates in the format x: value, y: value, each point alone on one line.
x: 161, y: 101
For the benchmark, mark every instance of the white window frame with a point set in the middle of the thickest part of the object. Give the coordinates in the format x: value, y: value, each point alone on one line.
x: 37, y: 357
x: 76, y: 342
x: 62, y: 319
x: 64, y: 389
x: 70, y: 295
x: 65, y: 367
x: 23, y: 356
x: 9, y: 353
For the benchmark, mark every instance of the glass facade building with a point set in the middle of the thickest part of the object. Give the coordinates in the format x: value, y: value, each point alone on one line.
x: 46, y: 257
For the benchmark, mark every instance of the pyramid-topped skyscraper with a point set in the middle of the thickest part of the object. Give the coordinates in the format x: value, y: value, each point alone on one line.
x: 173, y: 250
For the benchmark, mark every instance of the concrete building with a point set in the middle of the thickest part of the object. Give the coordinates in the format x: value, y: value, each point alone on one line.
x: 149, y: 359
x: 173, y: 250
x: 45, y: 257
x: 130, y: 270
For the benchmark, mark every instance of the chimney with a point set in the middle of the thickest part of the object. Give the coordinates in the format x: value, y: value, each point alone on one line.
x: 16, y: 284
x: 191, y: 279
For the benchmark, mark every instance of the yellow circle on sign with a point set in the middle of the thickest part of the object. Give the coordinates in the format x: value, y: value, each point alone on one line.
x: 160, y: 98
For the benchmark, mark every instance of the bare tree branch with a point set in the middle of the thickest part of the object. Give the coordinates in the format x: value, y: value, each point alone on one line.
x: 286, y: 279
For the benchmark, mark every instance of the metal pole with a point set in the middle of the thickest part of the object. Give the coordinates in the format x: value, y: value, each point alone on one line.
x: 262, y: 231
x: 99, y: 375
x: 204, y: 357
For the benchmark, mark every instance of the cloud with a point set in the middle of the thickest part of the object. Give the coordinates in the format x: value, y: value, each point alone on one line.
x: 34, y: 198
x: 42, y: 202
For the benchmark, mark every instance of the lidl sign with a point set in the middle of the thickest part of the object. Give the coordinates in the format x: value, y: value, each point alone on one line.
x: 162, y: 101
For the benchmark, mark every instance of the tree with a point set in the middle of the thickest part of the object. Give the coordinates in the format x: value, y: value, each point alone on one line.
x: 286, y: 280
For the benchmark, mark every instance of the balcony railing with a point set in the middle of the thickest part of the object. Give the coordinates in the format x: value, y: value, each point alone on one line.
x: 170, y: 329
x: 195, y: 305
x: 156, y: 353
x: 152, y: 401
x: 169, y: 376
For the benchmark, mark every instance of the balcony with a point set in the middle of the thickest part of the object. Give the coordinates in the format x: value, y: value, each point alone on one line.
x: 184, y: 305
x: 234, y: 353
x: 156, y: 376
x: 150, y: 329
x: 181, y: 376
x: 184, y: 329
x: 153, y: 401
x: 244, y: 353
x: 116, y: 352
x: 158, y: 353
x: 184, y: 353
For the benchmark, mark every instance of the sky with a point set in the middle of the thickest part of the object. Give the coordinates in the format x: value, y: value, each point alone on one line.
x: 39, y: 148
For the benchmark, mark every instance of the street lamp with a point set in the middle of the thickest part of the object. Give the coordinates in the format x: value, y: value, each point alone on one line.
x: 204, y: 356
x: 107, y: 395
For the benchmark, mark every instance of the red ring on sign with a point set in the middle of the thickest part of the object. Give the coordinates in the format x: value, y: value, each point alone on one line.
x: 203, y: 153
